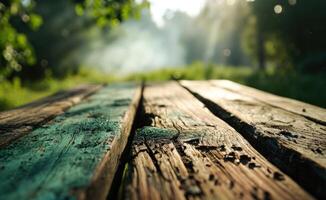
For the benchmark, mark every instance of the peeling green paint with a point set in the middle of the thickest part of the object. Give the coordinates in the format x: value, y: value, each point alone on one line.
x: 154, y: 133
x: 56, y: 158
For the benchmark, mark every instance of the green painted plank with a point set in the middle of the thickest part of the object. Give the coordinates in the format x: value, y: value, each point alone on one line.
x: 58, y: 160
x: 20, y: 121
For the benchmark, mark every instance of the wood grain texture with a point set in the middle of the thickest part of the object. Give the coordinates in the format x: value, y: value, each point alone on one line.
x: 309, y: 111
x: 20, y: 121
x: 185, y: 152
x: 74, y: 156
x: 292, y: 142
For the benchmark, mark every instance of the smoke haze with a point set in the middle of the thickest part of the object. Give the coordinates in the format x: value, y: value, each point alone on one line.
x: 142, y: 45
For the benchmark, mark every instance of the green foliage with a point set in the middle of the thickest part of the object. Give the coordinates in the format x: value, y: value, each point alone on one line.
x: 284, y: 83
x: 15, y: 49
x: 195, y: 71
x: 109, y: 13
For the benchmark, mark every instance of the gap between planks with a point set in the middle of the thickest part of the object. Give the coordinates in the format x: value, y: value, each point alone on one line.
x: 116, y: 188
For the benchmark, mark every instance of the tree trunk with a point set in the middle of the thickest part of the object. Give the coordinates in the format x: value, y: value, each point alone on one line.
x: 260, y: 50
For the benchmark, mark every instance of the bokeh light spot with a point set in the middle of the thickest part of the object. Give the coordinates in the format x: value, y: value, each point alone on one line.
x: 292, y: 2
x: 278, y: 9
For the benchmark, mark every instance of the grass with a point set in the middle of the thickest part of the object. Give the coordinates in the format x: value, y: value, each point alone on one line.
x: 305, y: 87
x: 16, y: 93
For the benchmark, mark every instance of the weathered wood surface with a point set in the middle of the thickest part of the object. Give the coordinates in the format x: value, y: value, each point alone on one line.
x: 294, y: 143
x: 16, y: 123
x: 185, y: 152
x: 77, y: 154
x: 312, y: 112
x: 196, y: 140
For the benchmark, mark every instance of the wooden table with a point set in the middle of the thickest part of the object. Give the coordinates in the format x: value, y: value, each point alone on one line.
x: 169, y: 140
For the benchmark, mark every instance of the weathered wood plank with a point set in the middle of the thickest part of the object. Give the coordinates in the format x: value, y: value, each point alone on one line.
x: 74, y: 156
x: 18, y: 122
x: 185, y: 152
x: 312, y: 112
x: 292, y: 142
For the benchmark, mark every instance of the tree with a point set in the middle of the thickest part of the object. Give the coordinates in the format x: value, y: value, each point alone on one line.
x: 22, y: 38
x: 15, y: 49
x: 288, y: 33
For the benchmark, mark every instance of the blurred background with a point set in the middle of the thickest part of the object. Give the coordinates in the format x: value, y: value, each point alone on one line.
x: 275, y: 45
